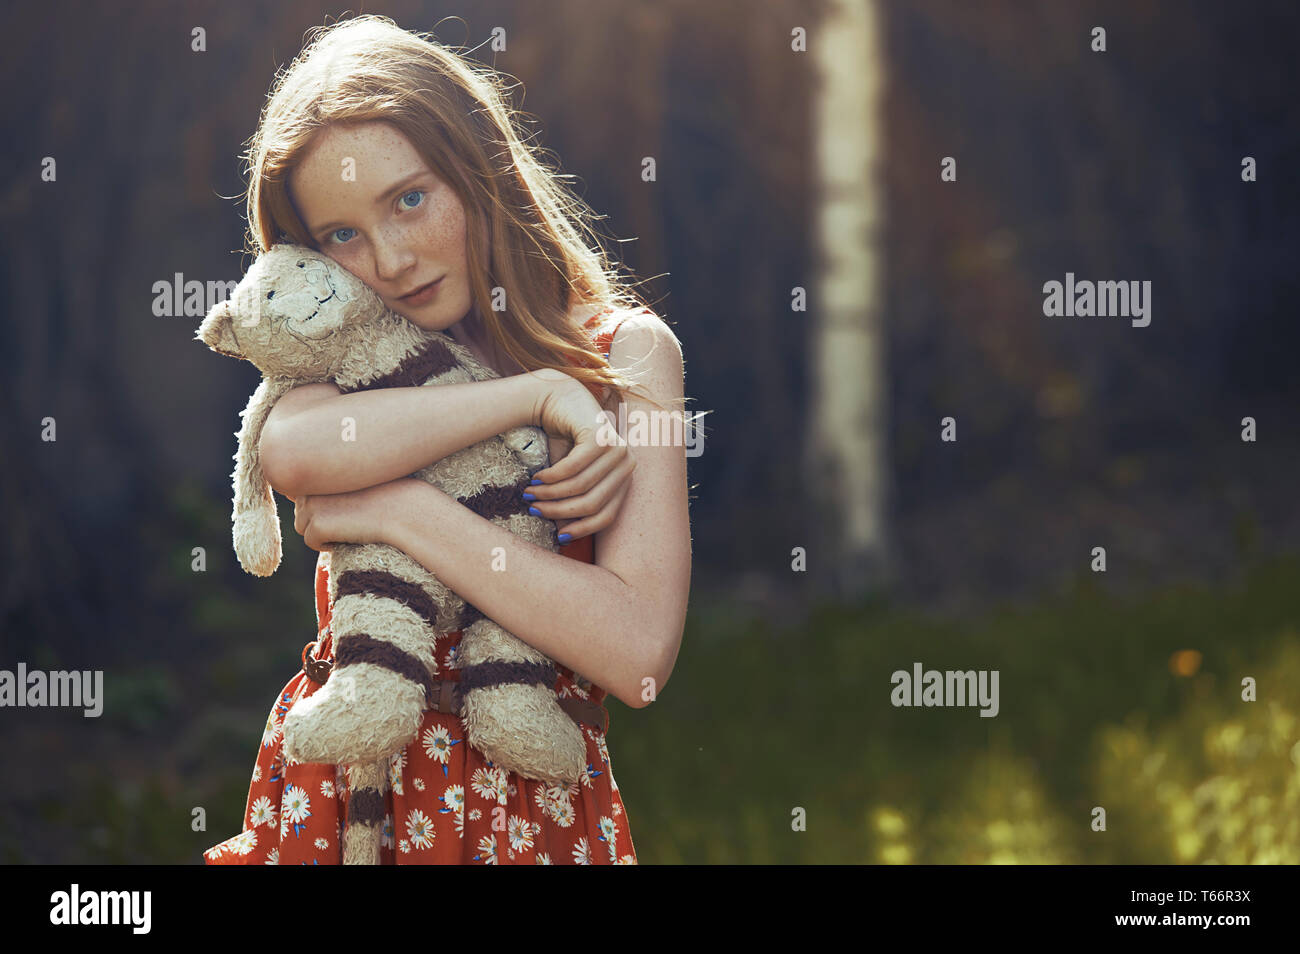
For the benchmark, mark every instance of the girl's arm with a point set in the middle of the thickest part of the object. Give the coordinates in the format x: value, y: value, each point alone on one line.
x: 395, y: 431
x: 618, y: 622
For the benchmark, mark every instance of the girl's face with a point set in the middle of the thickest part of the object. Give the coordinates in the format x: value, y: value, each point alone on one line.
x: 374, y: 206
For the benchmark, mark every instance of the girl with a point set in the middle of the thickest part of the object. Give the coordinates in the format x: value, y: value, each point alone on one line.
x: 403, y: 162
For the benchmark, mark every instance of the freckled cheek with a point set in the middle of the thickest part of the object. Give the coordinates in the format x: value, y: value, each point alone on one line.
x: 442, y: 233
x: 347, y: 256
x: 352, y: 259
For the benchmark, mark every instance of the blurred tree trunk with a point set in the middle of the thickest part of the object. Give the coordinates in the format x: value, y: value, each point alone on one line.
x: 845, y: 453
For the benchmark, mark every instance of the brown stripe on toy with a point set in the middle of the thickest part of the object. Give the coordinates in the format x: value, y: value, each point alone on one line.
x: 496, y: 673
x: 498, y: 501
x: 430, y: 359
x: 390, y: 585
x: 468, y: 616
x: 363, y: 648
x: 365, y: 807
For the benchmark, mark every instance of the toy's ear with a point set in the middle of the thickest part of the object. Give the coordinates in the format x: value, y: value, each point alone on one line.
x: 218, y: 330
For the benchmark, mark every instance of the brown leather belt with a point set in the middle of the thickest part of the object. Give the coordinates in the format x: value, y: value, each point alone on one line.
x: 446, y: 694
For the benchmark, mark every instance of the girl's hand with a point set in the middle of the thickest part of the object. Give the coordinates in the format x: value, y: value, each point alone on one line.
x: 583, y: 492
x: 362, y: 516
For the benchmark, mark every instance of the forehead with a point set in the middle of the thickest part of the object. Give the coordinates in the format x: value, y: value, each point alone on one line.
x: 347, y: 167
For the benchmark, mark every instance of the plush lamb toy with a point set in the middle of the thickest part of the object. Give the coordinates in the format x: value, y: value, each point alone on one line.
x: 300, y: 318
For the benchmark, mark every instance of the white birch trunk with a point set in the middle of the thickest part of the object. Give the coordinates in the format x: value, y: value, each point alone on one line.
x: 845, y: 454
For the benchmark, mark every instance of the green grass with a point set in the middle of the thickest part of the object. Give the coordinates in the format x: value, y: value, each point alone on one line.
x: 756, y: 724
x: 759, y: 722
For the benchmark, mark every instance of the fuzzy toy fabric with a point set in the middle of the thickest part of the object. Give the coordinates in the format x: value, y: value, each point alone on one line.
x: 300, y: 318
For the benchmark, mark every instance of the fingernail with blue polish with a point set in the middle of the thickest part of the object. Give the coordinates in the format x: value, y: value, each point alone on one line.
x: 565, y: 538
x: 534, y: 511
x: 534, y: 482
x: 528, y: 496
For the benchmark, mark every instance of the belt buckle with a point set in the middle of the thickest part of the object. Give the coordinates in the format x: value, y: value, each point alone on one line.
x: 317, y: 670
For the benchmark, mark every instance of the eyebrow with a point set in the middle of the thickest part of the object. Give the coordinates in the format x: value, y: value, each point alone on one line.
x: 388, y: 194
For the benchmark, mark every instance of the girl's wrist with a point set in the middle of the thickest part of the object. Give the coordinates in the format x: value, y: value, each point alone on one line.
x: 543, y: 382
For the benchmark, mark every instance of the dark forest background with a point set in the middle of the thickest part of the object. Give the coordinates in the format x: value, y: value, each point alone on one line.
x: 1073, y: 434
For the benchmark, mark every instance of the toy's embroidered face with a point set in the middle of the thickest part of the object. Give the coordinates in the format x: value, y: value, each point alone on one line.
x: 291, y: 313
x: 306, y: 298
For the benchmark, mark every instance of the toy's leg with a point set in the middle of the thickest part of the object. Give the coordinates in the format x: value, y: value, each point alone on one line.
x: 511, y: 713
x: 367, y: 783
x: 379, y: 687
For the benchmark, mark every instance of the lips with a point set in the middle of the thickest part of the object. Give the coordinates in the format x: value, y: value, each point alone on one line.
x: 422, y: 288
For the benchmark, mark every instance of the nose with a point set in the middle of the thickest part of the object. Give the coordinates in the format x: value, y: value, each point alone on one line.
x: 392, y: 256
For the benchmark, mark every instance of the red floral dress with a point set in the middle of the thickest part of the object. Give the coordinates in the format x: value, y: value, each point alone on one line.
x: 444, y: 794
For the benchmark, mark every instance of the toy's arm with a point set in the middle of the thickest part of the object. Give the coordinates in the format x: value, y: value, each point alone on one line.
x: 255, y: 521
x: 319, y: 441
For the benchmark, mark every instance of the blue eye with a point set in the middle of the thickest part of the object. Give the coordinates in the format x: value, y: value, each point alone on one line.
x: 334, y: 235
x: 413, y: 192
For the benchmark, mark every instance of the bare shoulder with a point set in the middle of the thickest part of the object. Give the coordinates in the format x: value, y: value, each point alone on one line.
x: 643, y: 344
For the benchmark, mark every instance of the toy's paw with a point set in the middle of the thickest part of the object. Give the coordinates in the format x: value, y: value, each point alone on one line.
x: 524, y: 730
x: 355, y: 717
x: 529, y: 445
x: 302, y: 743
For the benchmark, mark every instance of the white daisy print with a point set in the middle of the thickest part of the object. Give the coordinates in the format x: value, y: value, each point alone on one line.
x: 475, y: 814
x: 564, y: 814
x: 271, y: 732
x: 554, y: 800
x: 404, y: 847
x: 490, y: 782
x: 295, y: 808
x: 581, y: 852
x: 487, y: 850
x: 626, y: 860
x: 420, y: 827
x: 262, y: 813
x: 520, y: 832
x: 395, y: 765
x: 437, y: 742
x: 273, y: 857
x: 257, y: 773
x: 418, y: 783
x: 386, y: 839
x: 327, y: 788
x: 322, y: 843
x: 454, y: 799
x: 244, y: 842
x: 543, y: 858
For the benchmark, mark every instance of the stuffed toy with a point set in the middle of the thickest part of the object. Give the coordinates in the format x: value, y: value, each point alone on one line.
x: 300, y: 318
